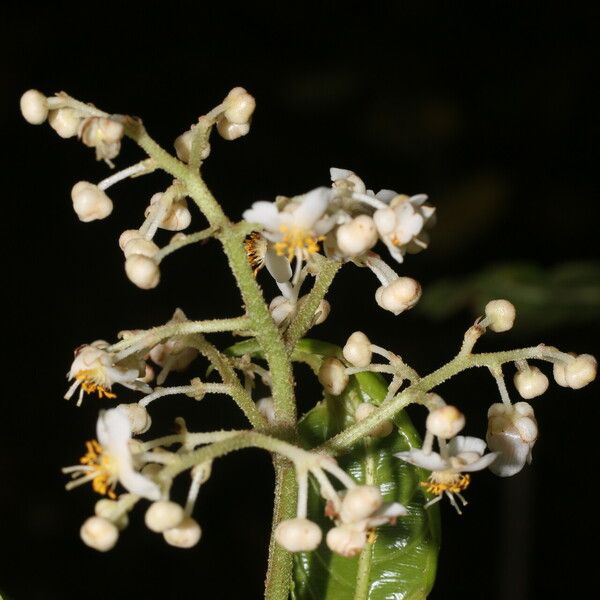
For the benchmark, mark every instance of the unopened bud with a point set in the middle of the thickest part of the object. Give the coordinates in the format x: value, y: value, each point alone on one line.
x: 530, y: 383
x: 357, y: 350
x: 186, y: 535
x: 90, y: 202
x: 138, y: 416
x: 445, y: 422
x: 501, y: 315
x: 183, y: 145
x: 281, y: 309
x: 99, y: 533
x: 65, y: 121
x: 163, y: 515
x: 142, y: 271
x: 360, y: 502
x: 581, y: 371
x: 34, y: 107
x: 240, y: 106
x: 140, y: 245
x: 322, y: 311
x: 231, y: 131
x: 346, y: 541
x: 111, y: 511
x: 94, y: 131
x: 363, y: 410
x: 127, y: 236
x: 400, y: 295
x: 333, y: 376
x: 357, y: 236
x: 298, y: 535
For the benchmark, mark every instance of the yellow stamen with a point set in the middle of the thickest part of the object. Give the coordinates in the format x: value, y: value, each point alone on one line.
x: 371, y: 536
x: 100, y: 464
x: 296, y: 239
x: 89, y: 386
x: 454, y: 485
x: 256, y: 248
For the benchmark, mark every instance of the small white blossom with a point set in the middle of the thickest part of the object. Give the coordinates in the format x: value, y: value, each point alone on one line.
x: 461, y: 455
x: 94, y: 371
x: 110, y: 460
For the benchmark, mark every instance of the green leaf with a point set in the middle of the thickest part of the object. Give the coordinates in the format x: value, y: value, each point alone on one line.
x: 401, y: 563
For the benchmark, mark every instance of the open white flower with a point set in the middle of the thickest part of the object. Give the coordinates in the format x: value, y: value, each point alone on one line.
x: 109, y: 460
x: 461, y: 455
x: 94, y: 371
x: 296, y: 229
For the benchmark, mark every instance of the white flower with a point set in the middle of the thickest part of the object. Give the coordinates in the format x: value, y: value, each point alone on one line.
x: 94, y: 370
x: 109, y: 460
x: 461, y: 455
x: 512, y: 432
x: 297, y: 228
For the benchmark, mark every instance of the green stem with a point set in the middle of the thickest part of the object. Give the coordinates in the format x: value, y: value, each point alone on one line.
x: 354, y: 433
x: 191, y: 238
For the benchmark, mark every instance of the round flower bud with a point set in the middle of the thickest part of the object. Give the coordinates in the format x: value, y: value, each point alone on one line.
x: 357, y: 350
x: 530, y: 383
x: 111, y: 511
x: 298, y: 535
x: 100, y: 130
x: 65, y: 121
x: 231, y: 131
x: 183, y: 145
x: 333, y: 376
x: 346, y: 541
x: 581, y: 371
x: 90, y: 202
x: 266, y: 407
x: 163, y: 515
x: 138, y: 416
x: 185, y: 535
x: 360, y: 502
x: 357, y: 236
x: 99, y: 533
x: 140, y: 245
x: 142, y: 271
x: 512, y: 432
x: 398, y: 296
x: 127, y: 236
x: 178, y: 217
x: 445, y: 422
x: 385, y: 220
x: 363, y: 410
x: 501, y: 315
x: 151, y: 470
x: 322, y: 311
x: 240, y: 106
x: 281, y: 309
x: 34, y: 107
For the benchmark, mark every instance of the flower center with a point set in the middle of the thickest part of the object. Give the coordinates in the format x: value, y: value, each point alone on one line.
x: 297, y: 239
x: 102, y: 469
x: 446, y: 481
x: 91, y: 382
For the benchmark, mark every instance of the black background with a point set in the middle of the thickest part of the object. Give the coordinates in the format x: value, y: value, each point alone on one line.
x: 489, y: 110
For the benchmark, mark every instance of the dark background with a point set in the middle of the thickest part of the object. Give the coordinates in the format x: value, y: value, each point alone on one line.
x: 489, y: 110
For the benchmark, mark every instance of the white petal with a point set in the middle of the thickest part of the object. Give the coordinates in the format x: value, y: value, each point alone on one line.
x: 386, y: 195
x: 336, y: 173
x: 463, y: 443
x: 427, y: 212
x: 431, y: 462
x: 265, y: 213
x: 278, y: 266
x: 482, y: 463
x: 390, y: 510
x: 418, y: 199
x: 113, y: 429
x: 311, y: 209
x: 513, y: 453
x: 136, y: 483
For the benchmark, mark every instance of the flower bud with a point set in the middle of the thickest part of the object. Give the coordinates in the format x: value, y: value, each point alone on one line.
x: 298, y: 535
x: 281, y: 309
x: 385, y: 221
x: 231, y: 131
x: 360, y: 502
x: 332, y: 376
x: 185, y: 535
x: 176, y: 218
x: 357, y: 236
x: 100, y: 130
x: 142, y: 271
x: 127, y: 236
x: 138, y: 416
x: 357, y: 350
x: 363, y: 410
x: 266, y: 407
x: 111, y: 511
x: 163, y: 515
x: 501, y: 315
x: 183, y: 145
x: 346, y: 541
x: 151, y: 470
x: 140, y: 245
x: 322, y: 311
x: 530, y: 383
x: 99, y: 533
x: 34, y: 107
x: 90, y: 202
x: 445, y: 422
x: 240, y: 106
x: 512, y: 432
x: 65, y: 121
x: 581, y: 371
x: 398, y: 296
